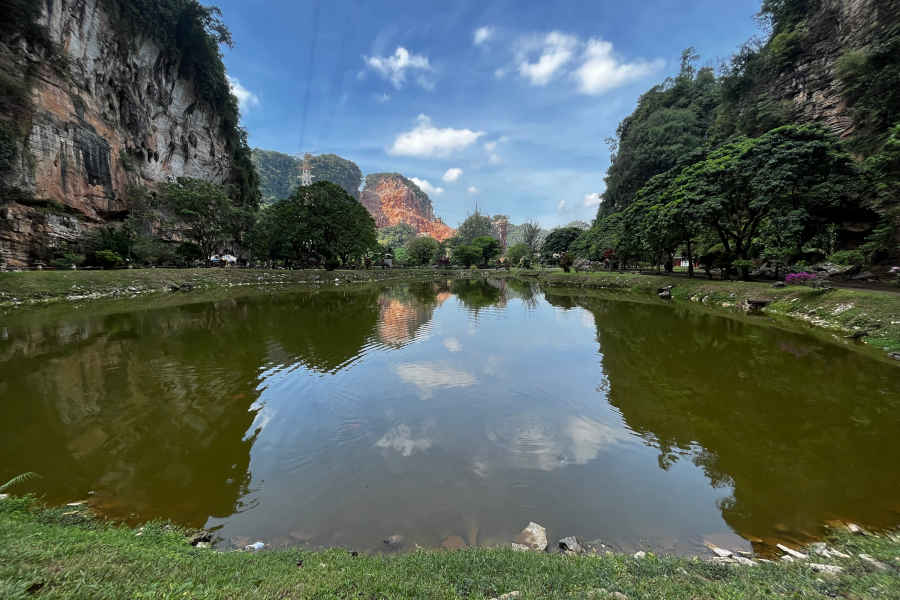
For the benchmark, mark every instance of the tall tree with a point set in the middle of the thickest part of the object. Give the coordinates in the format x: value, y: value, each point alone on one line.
x: 474, y: 226
x: 318, y: 225
x: 422, y: 250
x: 558, y: 241
x: 741, y: 184
x: 205, y: 210
x: 531, y: 233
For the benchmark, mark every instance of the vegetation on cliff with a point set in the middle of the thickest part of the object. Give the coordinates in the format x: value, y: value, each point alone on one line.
x: 280, y: 173
x: 726, y: 170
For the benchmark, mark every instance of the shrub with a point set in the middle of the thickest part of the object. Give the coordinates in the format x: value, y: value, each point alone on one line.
x: 108, y: 259
x: 67, y: 260
x: 8, y: 149
x: 421, y: 250
x: 565, y: 261
x: 848, y: 257
x: 188, y: 252
x: 517, y: 252
x: 802, y: 278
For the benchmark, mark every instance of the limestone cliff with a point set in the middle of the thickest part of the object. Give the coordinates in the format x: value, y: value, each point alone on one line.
x: 102, y: 110
x: 391, y: 198
x: 810, y: 52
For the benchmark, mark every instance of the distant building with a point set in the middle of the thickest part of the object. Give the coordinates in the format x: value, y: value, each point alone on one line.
x: 499, y: 229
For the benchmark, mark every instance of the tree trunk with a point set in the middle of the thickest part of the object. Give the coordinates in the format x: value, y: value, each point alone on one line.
x: 690, y: 257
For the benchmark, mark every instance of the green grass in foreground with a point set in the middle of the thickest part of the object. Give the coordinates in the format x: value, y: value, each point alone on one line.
x: 65, y: 553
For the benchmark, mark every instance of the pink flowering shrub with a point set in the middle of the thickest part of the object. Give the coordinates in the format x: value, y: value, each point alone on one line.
x: 801, y: 278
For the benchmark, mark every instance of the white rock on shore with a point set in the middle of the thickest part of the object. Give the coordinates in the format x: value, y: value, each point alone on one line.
x: 534, y: 537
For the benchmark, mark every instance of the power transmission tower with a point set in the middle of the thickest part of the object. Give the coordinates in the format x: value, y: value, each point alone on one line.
x: 306, y: 177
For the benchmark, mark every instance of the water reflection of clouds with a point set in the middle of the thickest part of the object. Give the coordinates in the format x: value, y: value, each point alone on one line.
x: 430, y: 376
x: 400, y: 438
x: 531, y: 443
x: 452, y: 344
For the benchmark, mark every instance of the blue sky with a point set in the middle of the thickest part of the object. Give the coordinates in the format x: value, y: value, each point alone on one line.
x: 507, y: 102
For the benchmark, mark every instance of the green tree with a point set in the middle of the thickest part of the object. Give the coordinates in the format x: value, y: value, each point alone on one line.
x: 531, y: 234
x: 396, y: 235
x: 558, y: 241
x: 882, y: 180
x: 800, y: 170
x: 474, y: 226
x: 422, y: 250
x: 318, y: 225
x: 204, y: 208
x: 489, y: 246
x: 516, y: 252
x: 467, y: 255
x: 672, y: 120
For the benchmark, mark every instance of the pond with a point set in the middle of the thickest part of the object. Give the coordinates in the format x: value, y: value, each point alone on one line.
x: 458, y: 408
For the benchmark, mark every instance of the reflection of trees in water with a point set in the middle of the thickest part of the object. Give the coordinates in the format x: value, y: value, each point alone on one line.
x: 106, y: 404
x: 799, y: 429
x: 527, y: 291
x: 323, y: 331
x: 477, y: 294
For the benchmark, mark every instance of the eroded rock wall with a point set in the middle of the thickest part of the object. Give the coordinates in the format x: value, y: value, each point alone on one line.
x: 836, y: 27
x: 116, y: 113
x: 392, y: 199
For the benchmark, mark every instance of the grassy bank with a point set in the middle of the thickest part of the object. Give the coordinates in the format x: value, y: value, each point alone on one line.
x: 844, y: 311
x: 44, y: 287
x: 66, y: 553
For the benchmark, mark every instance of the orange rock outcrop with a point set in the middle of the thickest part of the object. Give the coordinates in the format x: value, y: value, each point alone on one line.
x: 393, y: 199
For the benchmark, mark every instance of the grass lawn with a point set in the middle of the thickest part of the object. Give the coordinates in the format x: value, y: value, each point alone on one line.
x: 66, y: 553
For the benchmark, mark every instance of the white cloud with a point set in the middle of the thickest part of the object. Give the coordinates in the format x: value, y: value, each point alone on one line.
x: 395, y: 67
x: 482, y: 34
x: 426, y: 140
x: 472, y: 189
x: 452, y: 344
x: 494, y: 159
x: 592, y: 199
x: 561, y: 206
x: 490, y: 146
x: 426, y: 186
x: 383, y: 98
x: 500, y: 73
x: 246, y: 98
x: 429, y: 376
x: 601, y: 71
x: 452, y: 175
x: 555, y: 49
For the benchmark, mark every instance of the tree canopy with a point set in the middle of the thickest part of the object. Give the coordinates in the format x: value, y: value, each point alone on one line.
x: 421, y: 250
x: 476, y: 225
x: 317, y: 225
x: 558, y: 241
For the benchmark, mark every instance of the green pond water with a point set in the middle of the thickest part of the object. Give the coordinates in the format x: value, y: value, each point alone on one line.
x: 465, y: 408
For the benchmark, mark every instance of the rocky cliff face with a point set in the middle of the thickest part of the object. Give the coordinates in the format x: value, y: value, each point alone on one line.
x: 833, y: 29
x: 114, y: 114
x: 392, y: 199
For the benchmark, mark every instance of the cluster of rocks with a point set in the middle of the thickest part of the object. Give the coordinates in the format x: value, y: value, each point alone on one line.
x: 534, y: 538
